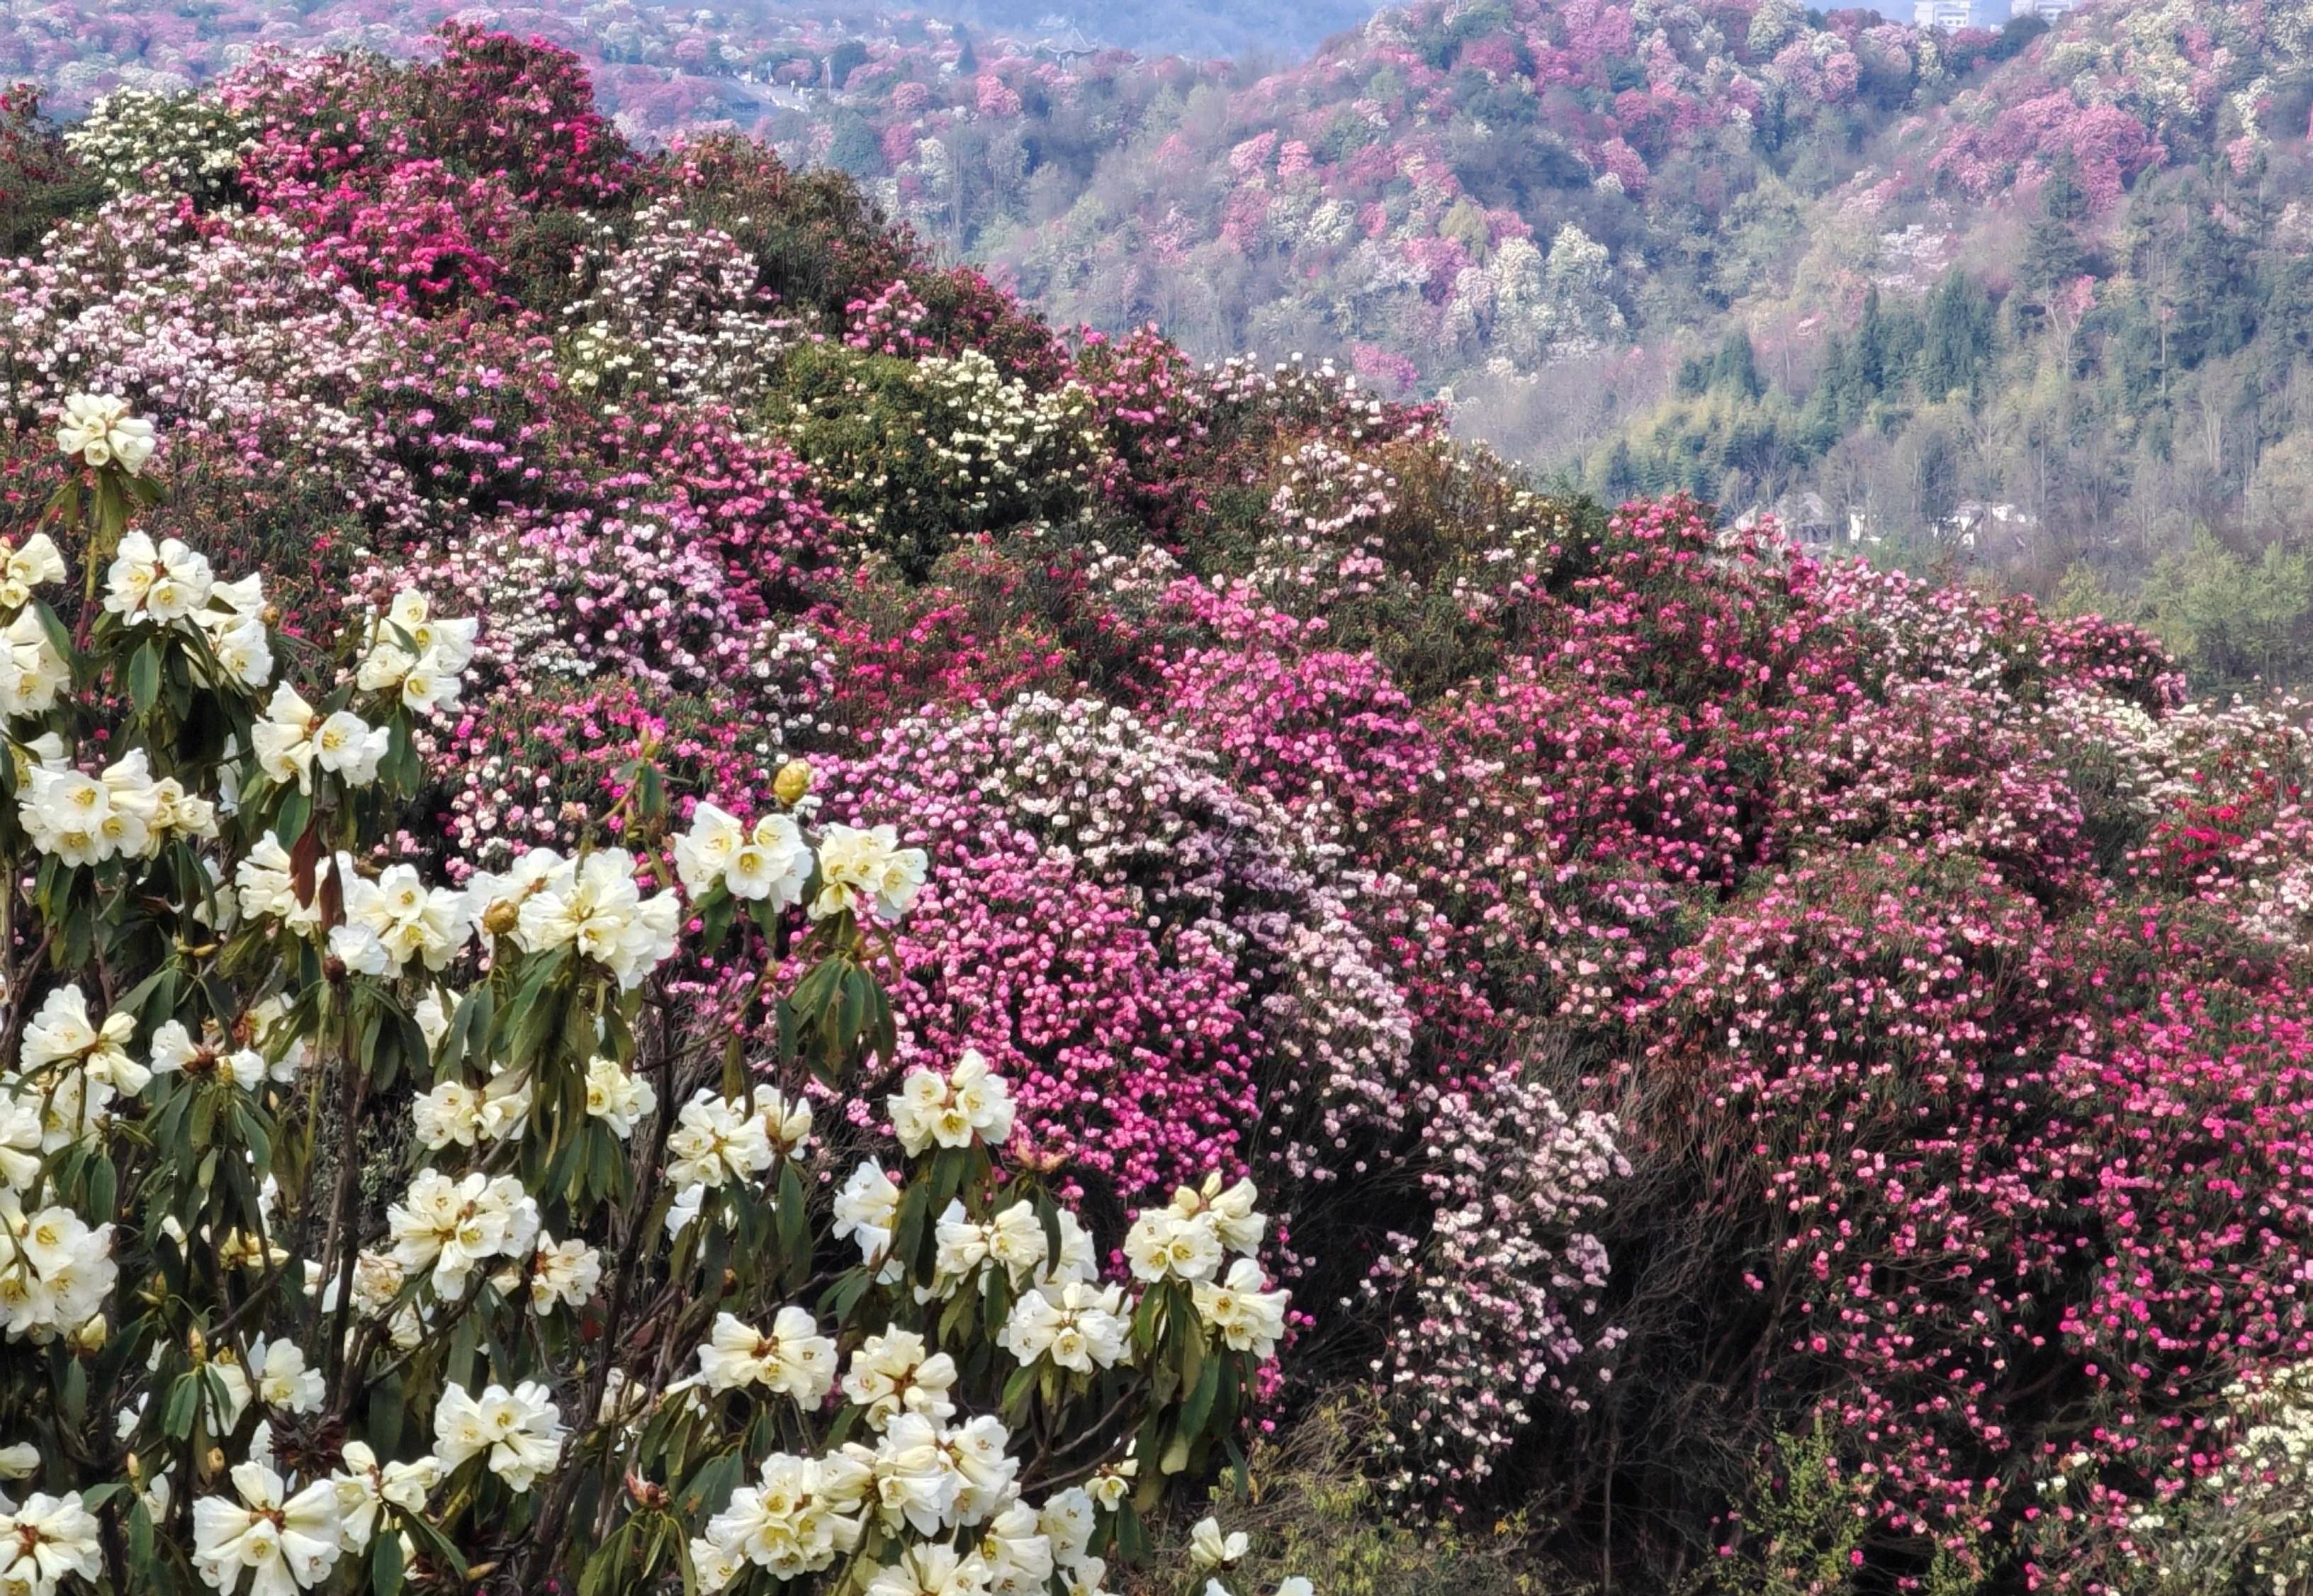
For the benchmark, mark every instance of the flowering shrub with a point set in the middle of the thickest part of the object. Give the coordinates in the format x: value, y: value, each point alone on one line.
x: 365, y: 1232
x: 142, y: 141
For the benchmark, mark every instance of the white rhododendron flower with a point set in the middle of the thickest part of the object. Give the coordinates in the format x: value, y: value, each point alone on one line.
x: 398, y: 918
x: 866, y: 1208
x: 894, y: 1373
x: 31, y: 671
x: 794, y: 1360
x: 159, y: 582
x: 45, y: 1538
x: 174, y: 1051
x: 595, y: 905
x: 295, y: 736
x: 36, y: 562
x: 97, y: 429
x: 1209, y: 1548
x: 1013, y: 1550
x: 1162, y: 1245
x: 929, y: 1570
x: 85, y: 820
x: 562, y: 1274
x: 969, y: 1103
x: 1247, y: 1319
x: 280, y: 1379
x: 63, y: 1035
x: 415, y: 655
x: 1067, y: 1521
x: 620, y: 1099
x: 867, y: 872
x: 796, y: 1517
x: 768, y: 862
x: 452, y: 1228
x: 520, y: 1432
x: 715, y: 1141
x: 1080, y: 1327
x: 287, y: 1540
x: 367, y: 1487
x: 264, y: 884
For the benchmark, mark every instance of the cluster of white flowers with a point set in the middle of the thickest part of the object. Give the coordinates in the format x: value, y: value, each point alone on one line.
x: 793, y: 1360
x: 455, y: 1227
x: 397, y: 918
x: 289, y: 1540
x: 31, y: 671
x: 862, y: 870
x: 865, y: 1209
x: 768, y: 862
x: 593, y: 904
x: 620, y: 1098
x: 419, y: 656
x: 121, y: 812
x: 144, y: 140
x: 544, y: 903
x: 97, y: 429
x: 1080, y: 1325
x: 70, y: 1070
x: 265, y: 886
x: 969, y: 1103
x: 295, y: 738
x: 519, y: 1432
x: 865, y: 870
x: 176, y: 1051
x: 57, y: 1272
x: 167, y: 585
x: 921, y: 1474
x: 894, y: 1373
x: 453, y: 1113
x: 43, y: 1539
x: 1190, y: 1238
x: 716, y: 1140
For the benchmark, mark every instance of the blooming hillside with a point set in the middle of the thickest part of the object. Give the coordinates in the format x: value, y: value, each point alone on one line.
x: 1701, y: 1021
x: 1451, y: 183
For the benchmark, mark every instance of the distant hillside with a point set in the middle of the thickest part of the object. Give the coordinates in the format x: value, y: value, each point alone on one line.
x: 2032, y: 298
x: 660, y: 65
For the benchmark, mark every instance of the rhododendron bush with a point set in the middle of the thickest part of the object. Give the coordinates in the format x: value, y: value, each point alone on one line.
x: 798, y: 845
x: 585, y: 1331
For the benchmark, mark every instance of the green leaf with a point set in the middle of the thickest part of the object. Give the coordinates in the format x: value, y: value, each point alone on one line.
x: 184, y: 1401
x: 1199, y: 1406
x: 144, y: 677
x: 59, y: 638
x: 709, y: 1490
x: 385, y: 1414
x: 289, y: 824
x: 385, y: 1570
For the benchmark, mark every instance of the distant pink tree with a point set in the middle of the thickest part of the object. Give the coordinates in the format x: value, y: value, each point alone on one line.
x: 996, y: 98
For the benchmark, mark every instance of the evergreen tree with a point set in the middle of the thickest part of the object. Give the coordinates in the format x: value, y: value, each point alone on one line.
x: 1737, y: 368
x: 1956, y: 342
x: 1871, y: 346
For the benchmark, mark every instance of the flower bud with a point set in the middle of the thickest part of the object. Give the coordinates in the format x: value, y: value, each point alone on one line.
x: 792, y: 782
x: 500, y: 918
x: 91, y: 1338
